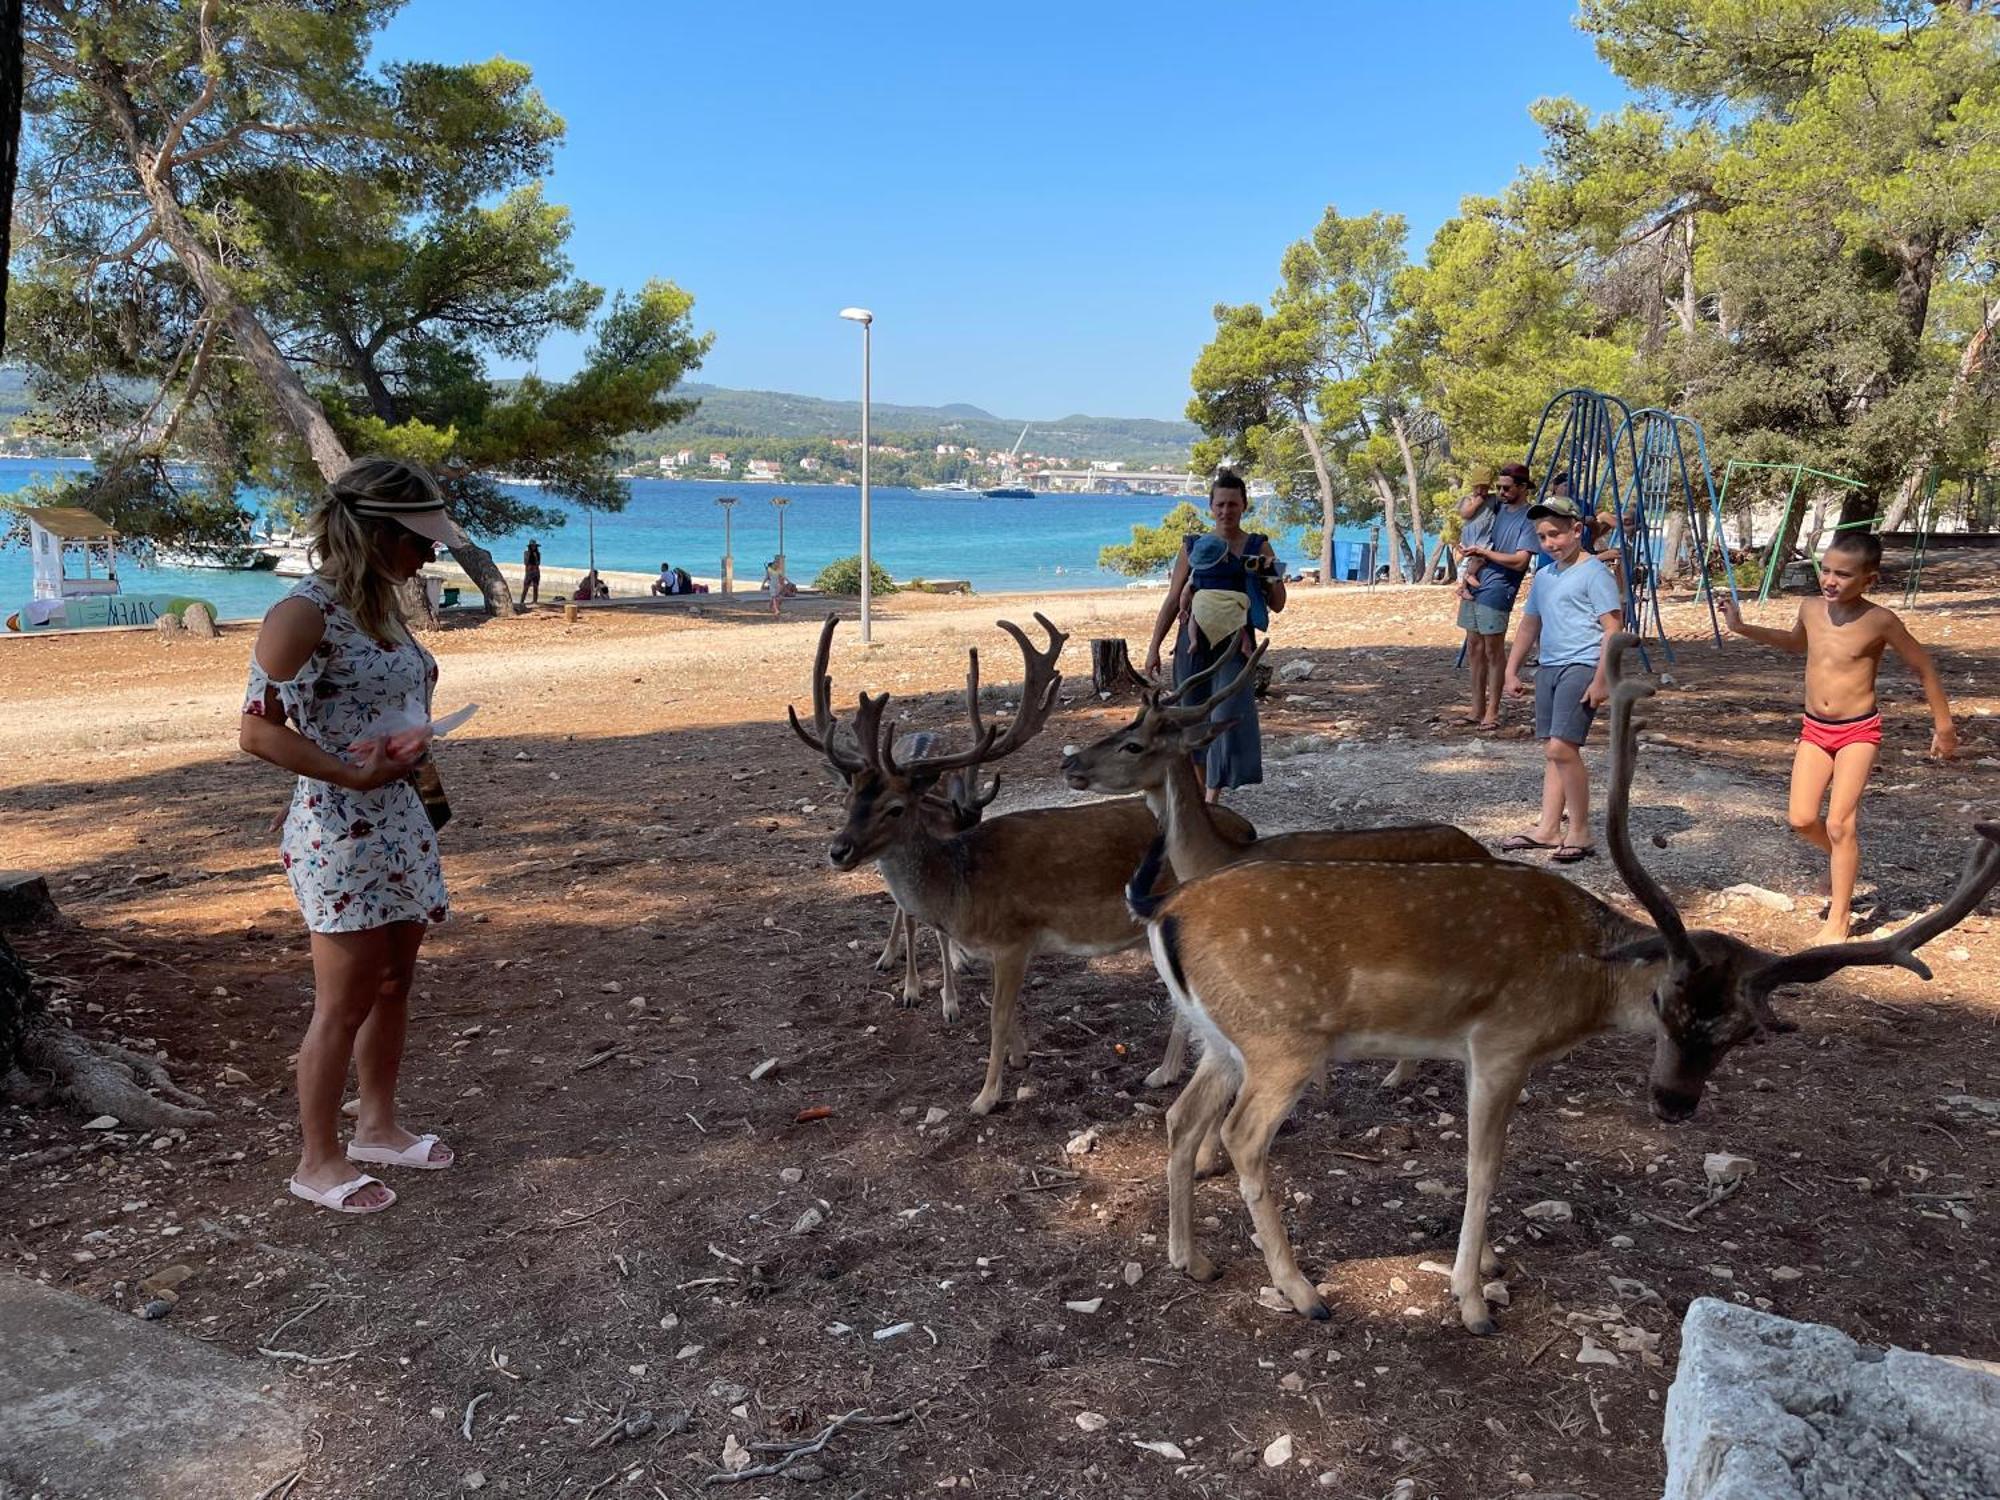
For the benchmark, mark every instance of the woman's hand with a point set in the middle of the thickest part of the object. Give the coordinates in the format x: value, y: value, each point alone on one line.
x: 379, y: 765
x: 1153, y: 663
x: 410, y: 743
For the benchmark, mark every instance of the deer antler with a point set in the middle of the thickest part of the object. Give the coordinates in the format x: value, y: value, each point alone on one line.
x: 1625, y: 693
x: 823, y: 735
x: 1185, y: 713
x: 1979, y: 874
x: 1039, y: 685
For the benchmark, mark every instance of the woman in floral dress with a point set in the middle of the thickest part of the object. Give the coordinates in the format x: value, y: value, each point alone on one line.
x: 335, y: 659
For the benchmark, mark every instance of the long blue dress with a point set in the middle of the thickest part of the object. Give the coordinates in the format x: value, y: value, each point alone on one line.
x: 1236, y: 758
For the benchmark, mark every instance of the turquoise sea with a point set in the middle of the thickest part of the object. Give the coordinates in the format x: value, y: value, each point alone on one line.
x: 1049, y: 542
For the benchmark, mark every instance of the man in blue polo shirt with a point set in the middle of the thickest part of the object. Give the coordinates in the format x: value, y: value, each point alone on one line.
x: 1572, y: 611
x: 1494, y: 568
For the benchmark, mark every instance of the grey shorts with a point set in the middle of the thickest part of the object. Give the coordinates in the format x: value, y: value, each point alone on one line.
x: 1481, y: 619
x: 1560, y: 712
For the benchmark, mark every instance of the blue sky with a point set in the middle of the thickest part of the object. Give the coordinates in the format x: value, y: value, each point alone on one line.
x: 1040, y: 202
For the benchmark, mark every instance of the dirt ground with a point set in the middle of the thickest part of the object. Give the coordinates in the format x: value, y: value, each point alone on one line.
x: 643, y: 914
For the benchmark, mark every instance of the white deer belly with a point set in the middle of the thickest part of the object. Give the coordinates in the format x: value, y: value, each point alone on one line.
x: 1397, y: 1044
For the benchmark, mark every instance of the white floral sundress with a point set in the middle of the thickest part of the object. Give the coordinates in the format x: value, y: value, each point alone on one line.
x: 356, y: 860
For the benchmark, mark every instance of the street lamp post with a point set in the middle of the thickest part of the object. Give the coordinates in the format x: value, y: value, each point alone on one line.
x: 728, y: 504
x: 779, y: 502
x: 866, y: 319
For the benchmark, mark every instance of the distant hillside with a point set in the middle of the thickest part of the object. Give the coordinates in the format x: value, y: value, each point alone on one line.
x: 750, y: 416
x: 727, y: 413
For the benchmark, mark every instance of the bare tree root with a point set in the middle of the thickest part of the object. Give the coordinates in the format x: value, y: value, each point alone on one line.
x: 102, y: 1078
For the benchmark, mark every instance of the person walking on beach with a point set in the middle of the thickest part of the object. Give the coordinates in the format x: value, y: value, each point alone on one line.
x: 531, y: 573
x: 780, y: 586
x: 1571, y: 612
x: 1494, y: 568
x: 1843, y: 634
x: 335, y: 658
x: 1221, y: 598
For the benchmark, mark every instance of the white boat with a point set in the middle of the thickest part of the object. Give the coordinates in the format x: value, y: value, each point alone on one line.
x: 245, y: 559
x: 949, y: 487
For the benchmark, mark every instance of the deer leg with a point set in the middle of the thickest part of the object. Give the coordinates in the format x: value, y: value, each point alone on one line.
x: 1191, y: 1123
x: 1491, y: 1089
x: 1272, y: 1082
x: 1008, y: 967
x: 913, y: 982
x: 950, y: 978
x: 1402, y: 1073
x: 890, y: 948
x: 1170, y: 1065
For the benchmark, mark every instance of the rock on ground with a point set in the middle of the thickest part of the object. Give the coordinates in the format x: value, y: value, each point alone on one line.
x: 100, y: 1405
x: 1767, y: 1409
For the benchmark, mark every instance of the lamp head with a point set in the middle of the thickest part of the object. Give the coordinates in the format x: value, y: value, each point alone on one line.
x: 857, y: 314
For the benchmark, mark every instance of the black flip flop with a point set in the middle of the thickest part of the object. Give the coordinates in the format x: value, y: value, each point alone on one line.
x: 1520, y: 843
x: 1572, y: 854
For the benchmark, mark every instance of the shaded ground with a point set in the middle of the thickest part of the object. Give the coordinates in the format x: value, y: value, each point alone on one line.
x: 643, y: 915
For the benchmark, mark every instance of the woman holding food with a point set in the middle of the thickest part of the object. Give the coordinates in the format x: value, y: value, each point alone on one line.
x: 336, y: 660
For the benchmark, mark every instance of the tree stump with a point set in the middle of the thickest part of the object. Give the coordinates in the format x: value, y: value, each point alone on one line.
x: 1111, y: 669
x: 24, y: 899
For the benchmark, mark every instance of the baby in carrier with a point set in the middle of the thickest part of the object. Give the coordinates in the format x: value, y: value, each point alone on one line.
x: 1220, y: 596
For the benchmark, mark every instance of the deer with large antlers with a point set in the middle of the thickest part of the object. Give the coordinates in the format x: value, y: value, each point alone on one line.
x: 1153, y: 755
x: 1273, y: 988
x: 952, y: 808
x: 1043, y: 880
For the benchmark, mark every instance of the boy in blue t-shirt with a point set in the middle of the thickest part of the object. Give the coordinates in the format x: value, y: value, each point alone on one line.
x: 1571, y: 612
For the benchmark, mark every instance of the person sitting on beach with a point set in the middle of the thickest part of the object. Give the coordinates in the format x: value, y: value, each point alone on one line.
x: 590, y: 586
x: 666, y: 583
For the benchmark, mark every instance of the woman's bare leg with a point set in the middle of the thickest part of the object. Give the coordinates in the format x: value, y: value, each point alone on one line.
x: 348, y: 972
x: 378, y: 1047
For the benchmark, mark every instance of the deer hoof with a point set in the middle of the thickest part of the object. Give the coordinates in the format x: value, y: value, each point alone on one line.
x: 1482, y: 1326
x: 983, y: 1105
x: 1161, y: 1077
x: 1489, y: 1263
x: 1200, y: 1267
x: 1399, y: 1075
x: 1208, y: 1163
x: 951, y: 1013
x: 1319, y: 1312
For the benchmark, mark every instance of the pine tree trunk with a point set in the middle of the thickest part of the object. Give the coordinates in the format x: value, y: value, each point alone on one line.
x: 1971, y: 364
x: 1326, y: 504
x: 294, y: 403
x: 486, y: 575
x: 1392, y: 533
x: 1410, y: 489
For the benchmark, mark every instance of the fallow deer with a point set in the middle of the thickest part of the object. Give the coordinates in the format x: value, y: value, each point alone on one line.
x: 1153, y: 755
x: 956, y: 806
x: 1043, y: 880
x: 1272, y: 988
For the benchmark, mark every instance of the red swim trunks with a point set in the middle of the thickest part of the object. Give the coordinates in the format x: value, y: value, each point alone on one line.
x: 1835, y: 735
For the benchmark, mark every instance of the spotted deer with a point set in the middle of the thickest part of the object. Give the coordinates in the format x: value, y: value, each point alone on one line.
x: 954, y: 807
x: 1042, y: 880
x: 1272, y: 989
x: 1154, y: 756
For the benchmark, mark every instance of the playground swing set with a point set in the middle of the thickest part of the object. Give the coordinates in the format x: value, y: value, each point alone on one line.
x: 1648, y: 469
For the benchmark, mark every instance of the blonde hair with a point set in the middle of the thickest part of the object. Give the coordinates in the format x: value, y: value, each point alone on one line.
x: 351, y: 551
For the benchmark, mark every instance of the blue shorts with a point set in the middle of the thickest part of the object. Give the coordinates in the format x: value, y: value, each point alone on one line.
x: 1481, y: 619
x: 1560, y: 712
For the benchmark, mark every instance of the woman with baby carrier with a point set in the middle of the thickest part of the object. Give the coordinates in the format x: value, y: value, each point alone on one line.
x: 336, y: 660
x: 1225, y: 587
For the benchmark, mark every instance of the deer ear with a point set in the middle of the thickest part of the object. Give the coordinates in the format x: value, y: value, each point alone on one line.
x: 1207, y: 733
x: 1646, y: 950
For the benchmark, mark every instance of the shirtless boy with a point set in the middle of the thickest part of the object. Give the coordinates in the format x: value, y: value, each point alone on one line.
x: 1843, y: 635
